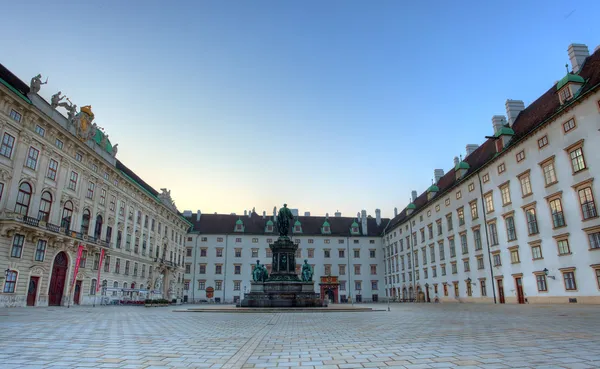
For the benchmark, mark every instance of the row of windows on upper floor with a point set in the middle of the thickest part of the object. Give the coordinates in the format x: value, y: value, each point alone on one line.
x: 576, y: 158
x: 237, y: 269
x: 268, y: 253
x: 270, y: 240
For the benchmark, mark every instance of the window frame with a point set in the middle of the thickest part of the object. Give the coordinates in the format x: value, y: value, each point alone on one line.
x: 31, y: 161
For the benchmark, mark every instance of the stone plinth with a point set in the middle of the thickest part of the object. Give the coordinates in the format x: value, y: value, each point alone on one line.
x: 283, y: 288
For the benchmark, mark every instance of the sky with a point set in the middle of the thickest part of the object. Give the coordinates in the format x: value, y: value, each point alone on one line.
x: 325, y: 105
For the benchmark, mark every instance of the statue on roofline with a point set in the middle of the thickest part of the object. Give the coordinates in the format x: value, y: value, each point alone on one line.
x: 36, y: 84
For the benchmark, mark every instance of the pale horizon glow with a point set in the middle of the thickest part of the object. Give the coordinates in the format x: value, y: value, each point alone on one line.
x: 327, y: 106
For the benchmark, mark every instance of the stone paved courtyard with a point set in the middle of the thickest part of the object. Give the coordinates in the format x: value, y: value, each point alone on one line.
x: 412, y: 336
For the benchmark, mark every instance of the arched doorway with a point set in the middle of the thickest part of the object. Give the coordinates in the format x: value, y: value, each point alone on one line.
x: 404, y: 296
x: 411, y: 293
x: 57, y: 282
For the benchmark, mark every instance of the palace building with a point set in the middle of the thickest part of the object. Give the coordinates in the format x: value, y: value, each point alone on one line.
x: 64, y: 196
x: 513, y: 220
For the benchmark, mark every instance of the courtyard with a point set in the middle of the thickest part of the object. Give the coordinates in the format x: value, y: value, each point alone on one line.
x: 411, y: 336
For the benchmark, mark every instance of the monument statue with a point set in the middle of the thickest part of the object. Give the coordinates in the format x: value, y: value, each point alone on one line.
x: 55, y: 101
x: 283, y: 220
x: 307, y: 272
x: 115, y: 149
x: 71, y: 112
x: 36, y: 84
x: 260, y: 274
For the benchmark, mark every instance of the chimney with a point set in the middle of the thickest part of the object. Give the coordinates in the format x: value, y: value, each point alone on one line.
x: 307, y: 213
x: 264, y: 214
x: 187, y: 213
x: 456, y: 161
x: 438, y: 174
x: 498, y: 121
x: 250, y: 213
x: 198, y: 214
x: 326, y: 215
x: 395, y: 212
x: 513, y: 108
x: 245, y: 212
x: 363, y: 220
x: 274, y: 211
x: 577, y: 54
x: 294, y: 212
x: 470, y: 149
x: 378, y: 216
x: 337, y: 214
x: 414, y: 195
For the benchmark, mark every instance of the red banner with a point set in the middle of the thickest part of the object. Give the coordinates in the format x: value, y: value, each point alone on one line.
x: 77, y: 261
x: 98, y: 284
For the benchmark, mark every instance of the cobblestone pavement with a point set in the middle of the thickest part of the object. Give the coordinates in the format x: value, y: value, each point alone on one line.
x: 411, y: 336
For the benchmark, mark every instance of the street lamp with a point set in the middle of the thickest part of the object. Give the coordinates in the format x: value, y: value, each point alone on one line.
x: 470, y: 282
x: 546, y: 274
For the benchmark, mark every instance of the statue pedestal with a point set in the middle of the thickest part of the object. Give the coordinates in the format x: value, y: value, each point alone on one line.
x: 283, y: 288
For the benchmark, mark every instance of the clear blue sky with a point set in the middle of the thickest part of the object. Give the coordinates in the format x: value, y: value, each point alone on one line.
x: 326, y: 105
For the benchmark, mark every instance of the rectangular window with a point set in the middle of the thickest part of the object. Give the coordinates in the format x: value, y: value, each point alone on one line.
x: 202, y: 269
x: 541, y: 283
x: 218, y: 269
x: 586, y: 200
x: 237, y: 269
x: 577, y: 160
x: 466, y: 265
x: 40, y: 130
x: 442, y: 251
x: 452, y: 248
x: 536, y: 252
x: 501, y: 168
x: 543, y: 142
x: 443, y: 270
x: 514, y: 256
x: 326, y: 253
x: 357, y: 269
x: 563, y: 247
x: 78, y: 156
x: 485, y: 178
x: 218, y: 285
x: 90, y: 190
x: 342, y: 269
x: 357, y: 253
x: 58, y: 143
x: 483, y: 288
x: 432, y: 253
x: 454, y: 268
x: 532, y: 226
x: 449, y: 221
x: 219, y: 252
x: 73, y: 181
x: 83, y: 260
x: 52, y: 169
x: 497, y: 260
x: 474, y: 212
x: 489, y: 202
x: 15, y: 115
x: 102, y: 197
x: 511, y: 232
x: 471, y: 187
x: 569, y: 125
x: 461, y: 216
x: 569, y: 278
x: 32, y: 158
x: 558, y: 217
x: 520, y: 156
x: 10, y: 282
x: 40, y: 250
x: 480, y: 263
x: 8, y: 143
x: 238, y: 253
x: 493, y: 234
x: 106, y: 263
x: 17, y: 246
x: 505, y: 192
x: 458, y: 195
x: 594, y: 239
x: 127, y: 264
x: 372, y: 254
x: 118, y: 266
x: 477, y: 239
x: 463, y: 243
x: 201, y: 285
x: 549, y: 173
x: 525, y: 185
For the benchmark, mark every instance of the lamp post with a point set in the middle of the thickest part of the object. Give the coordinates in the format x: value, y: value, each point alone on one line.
x: 427, y: 291
x: 546, y: 274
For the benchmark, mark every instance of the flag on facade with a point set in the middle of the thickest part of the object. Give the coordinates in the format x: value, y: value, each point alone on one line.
x: 77, y: 262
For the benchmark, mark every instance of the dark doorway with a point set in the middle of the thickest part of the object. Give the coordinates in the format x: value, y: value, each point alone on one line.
x: 501, y: 291
x: 57, y: 282
x: 520, y: 294
x: 32, y: 291
x: 330, y: 295
x: 77, y: 296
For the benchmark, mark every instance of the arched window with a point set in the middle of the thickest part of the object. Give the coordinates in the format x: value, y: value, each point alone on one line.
x: 23, y: 199
x: 11, y: 281
x: 98, y: 228
x: 115, y: 285
x: 45, y: 206
x: 85, y: 222
x: 65, y: 221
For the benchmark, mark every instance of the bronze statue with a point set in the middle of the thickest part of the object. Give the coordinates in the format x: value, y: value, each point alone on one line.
x: 283, y: 220
x: 307, y: 272
x: 259, y: 274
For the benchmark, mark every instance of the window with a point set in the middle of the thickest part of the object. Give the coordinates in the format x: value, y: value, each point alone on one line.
x: 474, y: 212
x: 15, y: 115
x: 543, y: 142
x: 563, y: 246
x: 532, y: 226
x: 341, y: 253
x: 73, y: 181
x: 357, y: 269
x: 372, y: 254
x: 466, y: 265
x: 558, y: 217
x: 520, y: 156
x: 202, y: 269
x: 541, y: 282
x: 483, y: 287
x: 358, y: 285
x: 536, y: 252
x: 569, y: 125
x: 90, y: 190
x: 10, y: 282
x: 443, y: 269
x: 501, y: 168
x: 219, y: 252
x: 218, y: 285
x: 238, y: 253
x: 8, y: 143
x: 525, y: 184
x: 218, y: 269
x: 356, y: 253
x: 23, y: 199
x: 58, y: 143
x: 17, y: 246
x: 95, y: 168
x: 485, y: 178
x: 565, y: 94
x: 577, y: 160
x: 477, y: 239
x: 458, y: 195
x: 237, y: 269
x: 40, y: 130
x: 452, y: 248
x: 83, y: 261
x: 78, y: 156
x: 549, y: 172
x: 569, y: 278
x: 493, y: 234
x: 480, y: 262
x: 463, y: 243
x: 201, y: 285
x: 238, y: 240
x: 327, y: 241
x: 102, y: 197
x: 32, y: 157
x: 447, y: 202
x: 437, y: 208
x: 327, y: 253
x: 594, y: 239
x: 489, y: 202
x: 106, y: 263
x: 117, y: 266
x: 449, y: 221
x: 454, y: 268
x: 505, y: 192
x: 514, y: 256
x: 237, y: 285
x: 471, y: 187
x: 52, y: 169
x: 40, y: 250
x: 442, y: 252
x: 497, y: 260
x: 461, y: 216
x: 586, y: 200
x: 45, y: 206
x: 432, y: 253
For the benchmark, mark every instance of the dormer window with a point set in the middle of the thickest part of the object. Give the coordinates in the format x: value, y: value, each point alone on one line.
x: 239, y: 226
x: 569, y: 86
x: 565, y: 94
x: 297, y: 227
x: 327, y: 229
x: 269, y: 228
x: 354, y: 229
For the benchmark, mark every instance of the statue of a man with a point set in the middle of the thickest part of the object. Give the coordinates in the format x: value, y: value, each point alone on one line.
x: 71, y: 112
x: 259, y: 274
x: 55, y: 101
x: 36, y: 84
x: 307, y: 272
x: 115, y: 149
x: 283, y: 220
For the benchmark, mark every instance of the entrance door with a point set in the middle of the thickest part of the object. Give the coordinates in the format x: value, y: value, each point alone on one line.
x: 77, y: 293
x: 501, y: 291
x: 520, y: 294
x: 330, y: 296
x: 427, y: 290
x: 32, y: 291
x: 57, y: 282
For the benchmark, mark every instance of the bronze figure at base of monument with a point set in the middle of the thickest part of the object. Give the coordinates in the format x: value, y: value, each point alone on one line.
x: 283, y: 288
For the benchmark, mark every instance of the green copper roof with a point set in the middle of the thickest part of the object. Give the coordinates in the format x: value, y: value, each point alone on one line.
x: 570, y: 77
x: 297, y: 223
x: 411, y: 206
x: 354, y: 224
x: 505, y: 131
x: 98, y: 138
x: 269, y: 222
x: 15, y: 90
x: 326, y: 224
x: 239, y: 221
x: 433, y: 188
x: 462, y: 165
